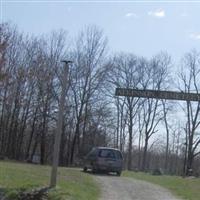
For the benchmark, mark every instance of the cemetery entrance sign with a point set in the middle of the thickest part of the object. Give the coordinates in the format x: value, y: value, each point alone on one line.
x: 158, y: 94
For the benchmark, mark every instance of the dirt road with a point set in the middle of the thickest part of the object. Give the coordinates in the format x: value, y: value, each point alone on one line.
x: 121, y: 188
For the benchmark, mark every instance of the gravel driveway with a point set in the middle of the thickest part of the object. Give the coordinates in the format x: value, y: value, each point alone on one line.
x: 122, y: 188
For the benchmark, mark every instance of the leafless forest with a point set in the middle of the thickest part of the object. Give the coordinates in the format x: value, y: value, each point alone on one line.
x: 151, y: 133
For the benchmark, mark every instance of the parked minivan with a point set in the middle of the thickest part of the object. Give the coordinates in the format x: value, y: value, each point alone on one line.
x: 104, y: 159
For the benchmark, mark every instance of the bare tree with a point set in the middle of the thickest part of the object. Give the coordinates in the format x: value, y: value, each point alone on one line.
x: 189, y: 77
x: 157, y: 73
x: 126, y: 73
x: 87, y: 77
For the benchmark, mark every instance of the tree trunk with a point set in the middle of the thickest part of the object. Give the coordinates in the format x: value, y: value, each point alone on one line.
x: 130, y: 139
x: 31, y: 135
x: 145, y: 155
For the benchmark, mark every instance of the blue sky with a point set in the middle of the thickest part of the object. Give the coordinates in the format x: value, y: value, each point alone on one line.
x: 143, y: 28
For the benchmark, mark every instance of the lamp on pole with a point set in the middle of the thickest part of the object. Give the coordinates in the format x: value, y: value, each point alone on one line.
x: 56, y: 149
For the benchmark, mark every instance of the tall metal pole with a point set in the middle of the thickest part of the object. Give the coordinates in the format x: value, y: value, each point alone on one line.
x: 56, y: 150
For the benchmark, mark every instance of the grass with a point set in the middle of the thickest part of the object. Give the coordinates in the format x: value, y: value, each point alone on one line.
x: 75, y: 185
x: 72, y: 183
x: 185, y: 188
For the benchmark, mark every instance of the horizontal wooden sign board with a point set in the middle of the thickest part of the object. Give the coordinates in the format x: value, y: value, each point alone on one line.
x: 158, y: 94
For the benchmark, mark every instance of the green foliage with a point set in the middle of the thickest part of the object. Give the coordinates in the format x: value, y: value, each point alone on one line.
x: 72, y: 183
x: 187, y: 188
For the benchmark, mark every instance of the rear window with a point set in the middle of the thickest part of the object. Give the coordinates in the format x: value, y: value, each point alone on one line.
x: 106, y: 153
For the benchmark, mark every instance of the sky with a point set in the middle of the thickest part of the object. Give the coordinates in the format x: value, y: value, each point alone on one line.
x: 143, y: 28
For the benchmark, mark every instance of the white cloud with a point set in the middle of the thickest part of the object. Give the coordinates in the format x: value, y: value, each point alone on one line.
x: 157, y: 13
x: 195, y: 36
x: 128, y: 15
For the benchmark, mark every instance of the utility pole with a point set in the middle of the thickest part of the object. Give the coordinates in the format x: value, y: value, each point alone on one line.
x: 56, y: 150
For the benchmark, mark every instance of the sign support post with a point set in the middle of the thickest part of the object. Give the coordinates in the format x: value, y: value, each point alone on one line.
x: 56, y: 149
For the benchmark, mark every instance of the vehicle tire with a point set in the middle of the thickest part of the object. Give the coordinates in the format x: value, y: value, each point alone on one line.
x: 119, y: 173
x: 94, y: 170
x: 85, y: 169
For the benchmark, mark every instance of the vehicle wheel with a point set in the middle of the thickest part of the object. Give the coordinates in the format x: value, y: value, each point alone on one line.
x: 85, y: 169
x: 118, y: 173
x: 94, y: 171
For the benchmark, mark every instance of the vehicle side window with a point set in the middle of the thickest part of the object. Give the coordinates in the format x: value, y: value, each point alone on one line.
x: 118, y: 155
x: 104, y: 153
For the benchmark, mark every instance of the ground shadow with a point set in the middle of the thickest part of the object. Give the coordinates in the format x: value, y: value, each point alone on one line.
x: 100, y: 173
x: 3, y: 194
x: 24, y: 194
